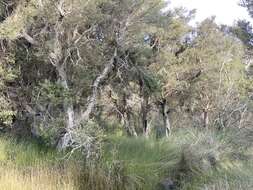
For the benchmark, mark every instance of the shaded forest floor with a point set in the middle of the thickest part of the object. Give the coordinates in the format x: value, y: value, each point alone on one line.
x: 191, y: 159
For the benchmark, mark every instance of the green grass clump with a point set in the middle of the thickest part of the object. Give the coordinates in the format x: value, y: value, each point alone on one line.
x: 27, y: 165
x: 193, y: 159
x: 145, y: 159
x: 25, y: 153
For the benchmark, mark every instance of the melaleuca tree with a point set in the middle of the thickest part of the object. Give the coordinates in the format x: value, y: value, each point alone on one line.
x: 218, y: 56
x: 172, y: 42
x: 243, y: 30
x: 134, y: 100
x: 73, y: 48
x: 197, y: 71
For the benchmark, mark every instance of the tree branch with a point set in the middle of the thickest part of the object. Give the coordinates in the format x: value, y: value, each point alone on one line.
x: 30, y: 39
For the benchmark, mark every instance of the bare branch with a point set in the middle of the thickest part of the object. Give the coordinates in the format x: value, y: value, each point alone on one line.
x: 29, y: 38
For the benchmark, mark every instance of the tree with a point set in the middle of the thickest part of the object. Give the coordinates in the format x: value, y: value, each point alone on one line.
x: 8, y: 74
x: 249, y: 5
x: 64, y: 43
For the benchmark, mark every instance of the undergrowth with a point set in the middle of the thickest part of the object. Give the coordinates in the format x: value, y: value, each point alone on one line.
x: 191, y: 158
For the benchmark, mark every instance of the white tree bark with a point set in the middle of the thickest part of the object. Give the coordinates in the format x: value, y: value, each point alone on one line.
x: 58, y: 61
x: 166, y: 119
x: 84, y: 117
x: 68, y: 109
x: 29, y: 38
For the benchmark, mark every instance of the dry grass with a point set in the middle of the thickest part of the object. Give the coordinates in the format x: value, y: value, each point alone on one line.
x: 12, y: 178
x: 27, y: 166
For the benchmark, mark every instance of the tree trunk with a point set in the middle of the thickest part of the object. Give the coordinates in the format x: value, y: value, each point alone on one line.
x: 166, y: 120
x: 93, y: 98
x: 144, y: 109
x: 68, y: 109
x: 65, y: 141
x: 129, y: 127
x: 205, y: 118
x: 58, y: 60
x: 72, y: 122
x: 126, y: 117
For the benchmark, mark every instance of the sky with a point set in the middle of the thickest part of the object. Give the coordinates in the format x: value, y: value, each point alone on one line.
x: 226, y: 11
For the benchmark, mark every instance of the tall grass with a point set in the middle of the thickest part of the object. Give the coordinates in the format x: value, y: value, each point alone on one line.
x: 25, y: 165
x: 146, y: 160
x: 191, y: 158
x: 194, y: 159
x: 36, y: 178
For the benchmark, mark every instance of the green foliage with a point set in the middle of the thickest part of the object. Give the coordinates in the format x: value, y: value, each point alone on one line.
x: 12, y: 26
x: 51, y: 92
x: 248, y: 5
x: 8, y: 74
x: 73, y: 67
x: 243, y: 30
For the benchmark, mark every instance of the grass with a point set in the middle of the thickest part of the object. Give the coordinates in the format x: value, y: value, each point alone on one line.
x: 25, y: 165
x: 234, y: 178
x: 146, y: 159
x: 25, y: 153
x: 193, y: 159
x: 36, y: 178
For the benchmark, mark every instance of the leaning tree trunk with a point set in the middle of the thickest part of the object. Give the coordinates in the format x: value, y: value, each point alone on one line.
x: 84, y: 117
x: 73, y: 122
x: 166, y: 121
